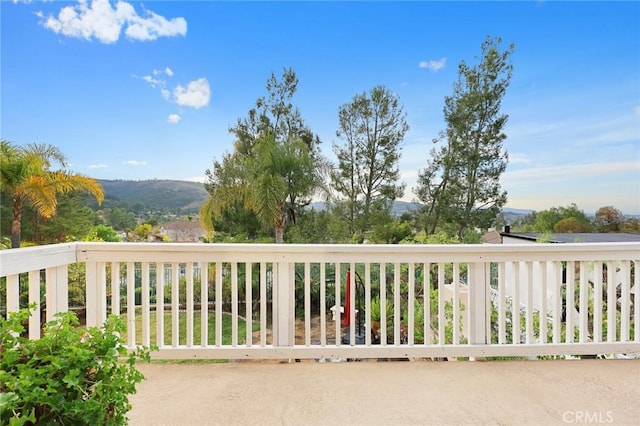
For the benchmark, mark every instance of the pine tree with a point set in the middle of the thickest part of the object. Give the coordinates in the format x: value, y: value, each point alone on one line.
x: 460, y: 185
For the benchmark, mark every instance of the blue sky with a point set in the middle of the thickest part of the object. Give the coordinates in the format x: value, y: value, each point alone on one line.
x: 143, y: 90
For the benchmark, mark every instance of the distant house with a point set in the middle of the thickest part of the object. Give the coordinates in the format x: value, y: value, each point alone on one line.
x: 183, y: 231
x: 508, y: 237
x: 491, y: 237
x: 514, y: 275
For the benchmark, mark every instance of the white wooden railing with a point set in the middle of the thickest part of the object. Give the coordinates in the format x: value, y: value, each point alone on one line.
x: 273, y: 301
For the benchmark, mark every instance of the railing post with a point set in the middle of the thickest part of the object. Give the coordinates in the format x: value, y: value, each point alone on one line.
x: 478, y: 289
x: 283, y: 333
x: 96, y: 294
x: 57, y: 295
x: 13, y: 293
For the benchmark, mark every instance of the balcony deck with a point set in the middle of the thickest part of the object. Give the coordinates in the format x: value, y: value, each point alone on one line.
x: 390, y: 393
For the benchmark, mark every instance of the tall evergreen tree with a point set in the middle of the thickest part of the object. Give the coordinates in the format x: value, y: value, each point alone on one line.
x: 460, y: 185
x: 372, y: 127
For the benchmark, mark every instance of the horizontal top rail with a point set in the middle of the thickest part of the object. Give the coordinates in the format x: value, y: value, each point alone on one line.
x: 33, y: 258
x: 27, y: 259
x: 356, y: 252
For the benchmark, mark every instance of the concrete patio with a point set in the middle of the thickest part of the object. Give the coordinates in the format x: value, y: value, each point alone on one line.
x: 390, y: 393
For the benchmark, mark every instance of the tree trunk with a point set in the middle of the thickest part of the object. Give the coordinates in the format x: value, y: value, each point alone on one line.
x: 279, y: 234
x: 16, y: 223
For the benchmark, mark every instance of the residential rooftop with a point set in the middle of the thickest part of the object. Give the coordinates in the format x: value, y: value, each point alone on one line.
x: 581, y: 237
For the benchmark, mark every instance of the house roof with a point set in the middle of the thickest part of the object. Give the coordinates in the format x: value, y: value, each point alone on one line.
x: 491, y: 237
x: 576, y: 237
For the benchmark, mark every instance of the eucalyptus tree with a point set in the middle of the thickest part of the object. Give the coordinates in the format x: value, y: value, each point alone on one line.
x: 28, y: 178
x: 366, y: 179
x: 460, y: 185
x: 274, y: 168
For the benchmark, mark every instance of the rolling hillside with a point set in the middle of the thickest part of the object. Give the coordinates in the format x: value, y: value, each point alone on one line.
x: 177, y: 196
x: 155, y: 195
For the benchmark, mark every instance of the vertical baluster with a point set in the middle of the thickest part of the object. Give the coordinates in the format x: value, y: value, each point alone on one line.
x: 338, y: 303
x: 397, y: 321
x: 248, y: 286
x: 234, y: 304
x: 34, y: 297
x: 383, y: 304
x: 611, y: 302
x: 161, y: 281
x: 515, y: 308
x: 175, y: 304
x: 570, y: 304
x: 636, y: 301
x: 624, y: 308
x: 502, y: 306
x: 487, y: 303
x: 218, y: 301
x: 557, y: 306
x: 441, y: 317
x: 131, y: 304
x: 352, y: 303
x: 456, y: 303
x: 584, y: 299
x: 263, y: 303
x: 146, y: 324
x: 426, y: 300
x: 542, y: 270
x: 323, y: 304
x: 597, y: 302
x: 367, y: 303
x: 189, y: 296
x: 307, y: 304
x: 412, y: 304
x: 204, y: 304
x: 529, y: 321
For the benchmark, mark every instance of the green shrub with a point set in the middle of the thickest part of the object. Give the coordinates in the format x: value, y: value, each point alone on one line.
x: 71, y: 375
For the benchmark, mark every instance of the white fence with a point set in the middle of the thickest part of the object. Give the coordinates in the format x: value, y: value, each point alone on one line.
x: 401, y: 301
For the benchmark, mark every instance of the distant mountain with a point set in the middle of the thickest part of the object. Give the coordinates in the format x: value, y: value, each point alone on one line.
x: 155, y: 195
x: 401, y: 207
x: 520, y: 212
x: 398, y: 208
x: 178, y: 196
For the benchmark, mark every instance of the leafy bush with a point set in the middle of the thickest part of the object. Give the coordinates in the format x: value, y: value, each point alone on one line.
x: 71, y: 375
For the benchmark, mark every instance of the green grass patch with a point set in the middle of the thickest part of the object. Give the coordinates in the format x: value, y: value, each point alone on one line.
x: 197, y: 328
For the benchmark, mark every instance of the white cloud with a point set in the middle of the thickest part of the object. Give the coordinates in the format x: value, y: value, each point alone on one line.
x: 433, y: 65
x: 196, y: 94
x: 173, y: 119
x: 105, y: 23
x: 98, y: 166
x: 135, y: 163
x: 153, y: 81
x: 519, y: 158
x: 637, y: 110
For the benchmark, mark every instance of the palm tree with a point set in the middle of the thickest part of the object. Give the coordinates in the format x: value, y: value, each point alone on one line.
x: 26, y: 177
x: 269, y: 182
